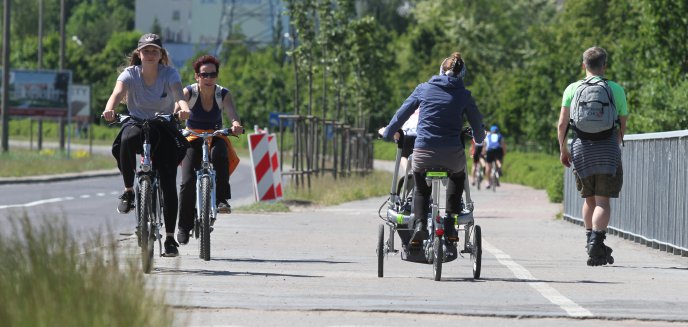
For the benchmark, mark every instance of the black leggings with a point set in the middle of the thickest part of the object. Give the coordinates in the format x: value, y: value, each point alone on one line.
x: 187, y: 190
x: 163, y: 152
x: 421, y: 199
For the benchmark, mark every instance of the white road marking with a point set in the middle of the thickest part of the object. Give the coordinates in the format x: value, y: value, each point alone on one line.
x: 35, y: 203
x: 46, y: 201
x: 551, y: 294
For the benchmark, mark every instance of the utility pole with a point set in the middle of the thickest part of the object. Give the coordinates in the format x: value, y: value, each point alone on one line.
x: 5, y: 75
x: 61, y: 67
x: 39, y: 65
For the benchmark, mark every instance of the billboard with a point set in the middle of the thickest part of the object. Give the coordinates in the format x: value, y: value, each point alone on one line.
x: 39, y: 92
x: 80, y: 101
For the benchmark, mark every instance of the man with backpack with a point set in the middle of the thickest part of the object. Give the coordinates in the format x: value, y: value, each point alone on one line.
x: 595, y: 109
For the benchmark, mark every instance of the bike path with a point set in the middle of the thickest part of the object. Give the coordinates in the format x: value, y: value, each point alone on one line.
x: 318, y: 266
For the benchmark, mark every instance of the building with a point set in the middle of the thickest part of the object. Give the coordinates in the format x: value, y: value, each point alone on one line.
x: 188, y: 26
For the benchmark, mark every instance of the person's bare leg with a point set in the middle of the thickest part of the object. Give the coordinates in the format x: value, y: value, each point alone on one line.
x: 488, y: 173
x: 588, y: 208
x: 601, y: 214
x: 599, y: 253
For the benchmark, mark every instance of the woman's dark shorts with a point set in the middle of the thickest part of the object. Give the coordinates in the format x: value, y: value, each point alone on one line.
x: 494, y: 154
x: 477, y: 153
x: 407, y: 147
x: 600, y: 184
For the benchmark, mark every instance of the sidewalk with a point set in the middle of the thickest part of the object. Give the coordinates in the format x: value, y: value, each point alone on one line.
x: 318, y: 266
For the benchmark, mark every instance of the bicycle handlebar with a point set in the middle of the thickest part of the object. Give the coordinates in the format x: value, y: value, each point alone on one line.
x: 205, y: 135
x: 121, y: 118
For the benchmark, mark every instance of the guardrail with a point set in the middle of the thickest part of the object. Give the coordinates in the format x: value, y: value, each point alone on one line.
x: 652, y: 208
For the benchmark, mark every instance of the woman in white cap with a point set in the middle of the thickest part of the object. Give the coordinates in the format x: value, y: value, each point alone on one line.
x: 150, y: 86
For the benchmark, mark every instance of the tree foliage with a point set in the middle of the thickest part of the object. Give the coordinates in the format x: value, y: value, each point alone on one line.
x: 358, y: 67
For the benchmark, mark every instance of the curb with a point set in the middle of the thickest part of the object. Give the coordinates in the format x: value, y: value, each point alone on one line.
x: 58, y: 177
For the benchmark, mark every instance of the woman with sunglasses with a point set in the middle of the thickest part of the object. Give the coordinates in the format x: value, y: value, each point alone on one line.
x: 208, y: 101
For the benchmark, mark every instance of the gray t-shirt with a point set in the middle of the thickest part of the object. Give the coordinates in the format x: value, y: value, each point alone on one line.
x: 144, y: 101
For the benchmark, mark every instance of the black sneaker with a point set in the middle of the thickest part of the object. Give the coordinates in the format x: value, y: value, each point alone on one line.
x: 449, y: 229
x: 171, y: 247
x: 182, y: 236
x: 420, y: 232
x: 126, y: 202
x: 224, y: 207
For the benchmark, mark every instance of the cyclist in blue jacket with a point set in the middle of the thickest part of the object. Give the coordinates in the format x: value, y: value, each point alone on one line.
x: 444, y: 101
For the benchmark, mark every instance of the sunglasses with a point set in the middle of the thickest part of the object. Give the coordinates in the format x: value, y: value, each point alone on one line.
x: 208, y: 75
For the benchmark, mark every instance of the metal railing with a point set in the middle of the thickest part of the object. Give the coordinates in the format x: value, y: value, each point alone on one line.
x: 652, y: 207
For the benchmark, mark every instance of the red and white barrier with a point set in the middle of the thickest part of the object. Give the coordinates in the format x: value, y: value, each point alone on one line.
x: 267, y: 182
x: 274, y: 164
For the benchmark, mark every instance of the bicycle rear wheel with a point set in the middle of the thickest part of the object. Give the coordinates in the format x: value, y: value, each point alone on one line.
x: 380, y: 250
x: 480, y: 177
x: 205, y: 218
x: 143, y: 213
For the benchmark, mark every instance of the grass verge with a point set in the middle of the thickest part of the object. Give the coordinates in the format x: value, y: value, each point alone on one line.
x: 535, y: 169
x: 23, y: 162
x: 48, y: 279
x: 327, y: 191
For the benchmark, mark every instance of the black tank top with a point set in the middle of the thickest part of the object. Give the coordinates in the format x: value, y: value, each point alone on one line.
x: 201, y: 119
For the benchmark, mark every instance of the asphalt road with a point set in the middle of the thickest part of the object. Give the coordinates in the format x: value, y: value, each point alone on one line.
x: 89, y: 205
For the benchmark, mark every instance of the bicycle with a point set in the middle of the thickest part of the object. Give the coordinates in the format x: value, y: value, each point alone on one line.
x: 437, y: 249
x: 206, y: 207
x: 148, y: 195
x: 494, y: 177
x: 481, y: 172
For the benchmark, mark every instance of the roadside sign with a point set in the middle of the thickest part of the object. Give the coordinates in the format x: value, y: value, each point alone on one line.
x: 39, y: 92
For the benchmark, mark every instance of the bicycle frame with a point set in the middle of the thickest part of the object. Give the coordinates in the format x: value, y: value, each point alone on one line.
x: 148, y: 231
x: 206, y: 207
x: 206, y: 169
x: 146, y: 171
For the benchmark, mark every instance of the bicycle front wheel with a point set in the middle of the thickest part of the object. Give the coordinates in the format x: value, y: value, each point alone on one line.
x: 438, y: 258
x: 143, y: 213
x: 205, y: 218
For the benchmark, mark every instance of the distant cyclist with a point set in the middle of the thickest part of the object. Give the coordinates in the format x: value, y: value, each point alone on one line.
x: 495, y: 149
x: 478, y: 161
x: 207, y: 101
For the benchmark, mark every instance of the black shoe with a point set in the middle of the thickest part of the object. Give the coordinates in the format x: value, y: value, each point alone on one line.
x: 126, y: 202
x: 420, y: 232
x: 224, y: 207
x: 598, y: 253
x: 171, y: 247
x: 449, y: 230
x: 182, y: 236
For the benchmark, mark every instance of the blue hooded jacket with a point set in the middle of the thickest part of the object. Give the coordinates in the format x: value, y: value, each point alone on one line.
x: 443, y: 102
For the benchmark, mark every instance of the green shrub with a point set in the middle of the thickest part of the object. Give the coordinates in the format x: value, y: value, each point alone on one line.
x: 384, y: 150
x: 47, y: 278
x: 555, y: 189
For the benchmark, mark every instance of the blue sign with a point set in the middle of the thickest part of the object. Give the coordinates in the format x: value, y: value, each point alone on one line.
x: 273, y: 120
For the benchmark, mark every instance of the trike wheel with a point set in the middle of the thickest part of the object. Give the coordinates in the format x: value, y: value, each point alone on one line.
x: 438, y: 257
x: 380, y: 250
x: 476, y: 251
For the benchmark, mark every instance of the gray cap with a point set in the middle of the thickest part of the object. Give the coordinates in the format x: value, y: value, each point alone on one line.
x: 149, y: 39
